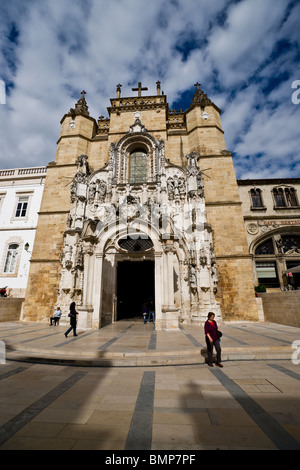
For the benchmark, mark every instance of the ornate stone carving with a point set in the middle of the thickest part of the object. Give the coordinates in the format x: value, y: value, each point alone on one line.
x: 252, y: 229
x: 200, y: 98
x: 82, y: 165
x: 193, y: 277
x: 176, y: 186
x: 171, y: 204
x: 97, y: 191
x: 138, y: 126
x: 195, y: 185
x: 81, y: 107
x: 203, y: 257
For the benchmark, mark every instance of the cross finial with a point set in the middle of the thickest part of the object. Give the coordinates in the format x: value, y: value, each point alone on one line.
x: 119, y: 90
x: 139, y: 89
x: 83, y: 93
x: 198, y: 85
x: 158, y: 87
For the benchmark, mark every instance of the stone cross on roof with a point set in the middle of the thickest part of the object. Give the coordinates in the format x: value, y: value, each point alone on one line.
x: 200, y: 98
x: 139, y: 89
x: 81, y: 106
x: 119, y: 90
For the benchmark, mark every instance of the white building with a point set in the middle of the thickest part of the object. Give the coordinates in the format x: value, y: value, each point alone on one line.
x: 21, y: 192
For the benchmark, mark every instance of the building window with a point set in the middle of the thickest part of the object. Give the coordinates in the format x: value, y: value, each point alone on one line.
x: 256, y: 198
x: 290, y: 196
x: 279, y: 197
x: 265, y: 248
x: 22, y: 206
x: 291, y: 244
x: 267, y: 273
x: 138, y: 166
x: 135, y: 243
x: 11, y: 258
x: 285, y: 198
x: 2, y: 196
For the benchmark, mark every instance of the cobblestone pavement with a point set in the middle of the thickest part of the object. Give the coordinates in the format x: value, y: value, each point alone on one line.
x: 251, y: 403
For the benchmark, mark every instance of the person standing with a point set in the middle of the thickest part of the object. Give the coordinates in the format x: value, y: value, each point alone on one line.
x: 73, y: 320
x: 145, y: 311
x: 212, y: 339
x: 151, y: 311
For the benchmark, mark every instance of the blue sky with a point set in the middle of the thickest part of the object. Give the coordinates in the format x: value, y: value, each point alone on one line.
x: 245, y: 54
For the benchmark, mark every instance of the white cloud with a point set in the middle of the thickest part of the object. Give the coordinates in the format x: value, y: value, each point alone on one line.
x: 52, y: 49
x: 238, y: 113
x: 246, y: 39
x: 267, y: 133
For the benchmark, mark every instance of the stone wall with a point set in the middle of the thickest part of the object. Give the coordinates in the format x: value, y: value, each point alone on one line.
x: 282, y: 307
x: 10, y: 309
x: 224, y: 214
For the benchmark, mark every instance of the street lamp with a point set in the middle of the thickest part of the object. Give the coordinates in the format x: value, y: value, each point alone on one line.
x: 26, y: 247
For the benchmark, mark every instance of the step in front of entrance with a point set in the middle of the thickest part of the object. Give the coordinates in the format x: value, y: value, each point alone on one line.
x: 146, y: 359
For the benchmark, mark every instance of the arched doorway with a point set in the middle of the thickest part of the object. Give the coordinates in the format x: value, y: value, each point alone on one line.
x: 129, y: 276
x: 135, y: 278
x: 275, y: 257
x: 135, y: 286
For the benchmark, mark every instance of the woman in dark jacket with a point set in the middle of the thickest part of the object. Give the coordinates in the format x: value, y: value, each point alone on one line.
x: 73, y: 320
x: 211, y: 337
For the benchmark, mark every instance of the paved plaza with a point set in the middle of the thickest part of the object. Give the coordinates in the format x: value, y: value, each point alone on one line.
x: 128, y: 387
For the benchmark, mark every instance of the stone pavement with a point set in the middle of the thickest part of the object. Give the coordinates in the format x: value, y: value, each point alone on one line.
x: 131, y: 343
x: 127, y: 388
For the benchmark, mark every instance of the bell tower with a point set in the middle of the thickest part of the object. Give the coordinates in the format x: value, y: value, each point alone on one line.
x: 77, y: 131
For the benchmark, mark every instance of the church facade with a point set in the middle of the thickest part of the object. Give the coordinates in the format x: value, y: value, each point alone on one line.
x: 141, y: 207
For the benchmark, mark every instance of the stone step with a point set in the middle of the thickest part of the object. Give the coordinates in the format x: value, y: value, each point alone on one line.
x: 144, y: 358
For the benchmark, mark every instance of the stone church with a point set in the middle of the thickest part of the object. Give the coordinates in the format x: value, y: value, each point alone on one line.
x: 137, y: 207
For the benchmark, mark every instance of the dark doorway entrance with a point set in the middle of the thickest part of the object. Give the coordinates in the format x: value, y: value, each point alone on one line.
x: 135, y: 285
x: 293, y: 278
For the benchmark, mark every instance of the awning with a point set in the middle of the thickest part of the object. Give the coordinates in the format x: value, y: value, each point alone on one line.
x: 294, y: 270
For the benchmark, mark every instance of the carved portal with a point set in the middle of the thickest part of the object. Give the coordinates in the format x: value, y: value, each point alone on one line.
x: 167, y: 207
